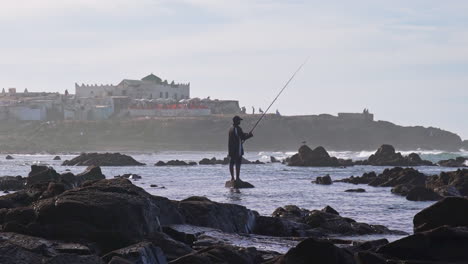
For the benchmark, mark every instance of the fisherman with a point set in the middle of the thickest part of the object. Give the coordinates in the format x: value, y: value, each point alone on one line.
x: 253, y: 110
x: 236, y: 150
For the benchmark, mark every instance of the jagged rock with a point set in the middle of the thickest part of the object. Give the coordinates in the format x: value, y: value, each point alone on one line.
x: 232, y: 218
x: 279, y: 227
x: 440, y: 245
x: 24, y: 249
x: 359, y: 190
x: 386, y: 156
x: 457, y: 162
x: 172, y: 249
x: 328, y: 221
x: 104, y: 212
x: 238, y: 184
x: 366, y: 178
x: 92, y: 173
x: 221, y: 254
x: 402, y: 189
x: 57, y: 158
x: 143, y: 252
x: 316, y: 251
x: 457, y: 179
x: 12, y: 183
x: 421, y: 193
x: 274, y: 160
x: 175, y: 163
x: 451, y: 211
x: 318, y: 157
x: 102, y: 159
x: 42, y: 174
x: 325, y: 180
x: 8, y: 157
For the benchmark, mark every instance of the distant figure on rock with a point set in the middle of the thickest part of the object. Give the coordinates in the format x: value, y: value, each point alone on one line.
x: 260, y: 110
x: 236, y: 150
x: 253, y: 110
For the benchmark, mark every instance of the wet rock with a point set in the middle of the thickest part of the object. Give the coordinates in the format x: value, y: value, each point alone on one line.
x: 172, y: 249
x: 451, y: 211
x: 402, y: 189
x: 104, y: 212
x: 325, y: 180
x: 457, y: 162
x: 17, y: 248
x: 279, y: 227
x: 233, y: 218
x: 153, y: 185
x: 221, y: 254
x: 175, y: 163
x: 440, y: 245
x: 42, y: 174
x: 92, y: 173
x: 421, y: 193
x: 396, y: 176
x: 257, y: 162
x: 457, y: 179
x: 102, y: 159
x: 238, y: 184
x: 371, y: 245
x: 12, y: 183
x: 386, y: 156
x: 144, y: 252
x: 359, y: 190
x: 318, y: 157
x: 57, y: 158
x: 8, y: 157
x: 366, y: 178
x: 328, y: 221
x: 130, y: 177
x: 316, y: 251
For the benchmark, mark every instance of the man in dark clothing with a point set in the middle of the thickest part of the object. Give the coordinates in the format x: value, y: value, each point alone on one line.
x: 236, y: 150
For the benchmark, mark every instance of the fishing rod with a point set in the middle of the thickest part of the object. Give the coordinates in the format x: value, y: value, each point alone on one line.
x: 276, y: 98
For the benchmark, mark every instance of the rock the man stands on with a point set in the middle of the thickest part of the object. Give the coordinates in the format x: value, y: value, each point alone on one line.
x: 236, y: 149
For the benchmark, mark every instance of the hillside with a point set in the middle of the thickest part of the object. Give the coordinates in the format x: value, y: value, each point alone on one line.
x: 210, y: 133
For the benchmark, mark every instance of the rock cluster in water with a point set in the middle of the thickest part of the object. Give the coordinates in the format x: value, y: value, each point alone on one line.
x: 457, y: 162
x: 102, y: 159
x: 318, y: 157
x: 387, y: 156
x: 415, y: 185
x: 94, y: 220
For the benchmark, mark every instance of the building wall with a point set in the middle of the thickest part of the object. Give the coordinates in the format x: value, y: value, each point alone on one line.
x: 169, y: 112
x: 94, y: 90
x: 28, y: 114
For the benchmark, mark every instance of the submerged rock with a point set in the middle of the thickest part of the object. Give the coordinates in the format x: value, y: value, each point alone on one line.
x: 175, y: 163
x: 214, y: 161
x: 387, y: 156
x: 359, y: 190
x: 238, y: 184
x: 102, y: 159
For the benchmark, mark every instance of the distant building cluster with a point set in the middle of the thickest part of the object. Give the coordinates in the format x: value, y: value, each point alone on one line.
x: 150, y: 96
x: 364, y: 116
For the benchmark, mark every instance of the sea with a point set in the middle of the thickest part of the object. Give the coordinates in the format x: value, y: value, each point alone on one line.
x: 275, y: 184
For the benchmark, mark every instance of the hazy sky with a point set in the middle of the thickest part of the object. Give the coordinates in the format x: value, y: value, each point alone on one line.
x: 407, y: 61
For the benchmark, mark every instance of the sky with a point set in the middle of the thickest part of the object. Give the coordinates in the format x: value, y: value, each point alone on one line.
x: 406, y: 61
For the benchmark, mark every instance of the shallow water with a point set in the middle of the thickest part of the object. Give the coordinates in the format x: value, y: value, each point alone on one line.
x: 275, y: 184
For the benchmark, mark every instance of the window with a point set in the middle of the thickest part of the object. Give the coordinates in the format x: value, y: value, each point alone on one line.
x: 175, y: 96
x: 124, y: 92
x: 167, y: 95
x: 161, y: 95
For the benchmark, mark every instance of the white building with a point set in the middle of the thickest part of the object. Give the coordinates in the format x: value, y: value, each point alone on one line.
x: 150, y: 87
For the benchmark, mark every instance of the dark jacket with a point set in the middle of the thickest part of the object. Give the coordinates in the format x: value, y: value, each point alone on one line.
x: 236, y: 138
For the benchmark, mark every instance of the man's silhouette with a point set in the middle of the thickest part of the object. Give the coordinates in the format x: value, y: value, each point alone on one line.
x: 236, y: 150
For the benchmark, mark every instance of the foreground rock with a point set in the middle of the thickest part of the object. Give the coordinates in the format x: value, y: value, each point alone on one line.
x: 238, y: 184
x: 442, y: 245
x: 102, y: 159
x: 457, y: 162
x: 319, y: 157
x: 221, y: 254
x: 315, y: 251
x: 387, y: 156
x: 175, y: 163
x: 451, y: 211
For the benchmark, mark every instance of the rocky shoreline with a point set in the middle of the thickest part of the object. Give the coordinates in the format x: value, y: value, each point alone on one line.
x: 85, y: 218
